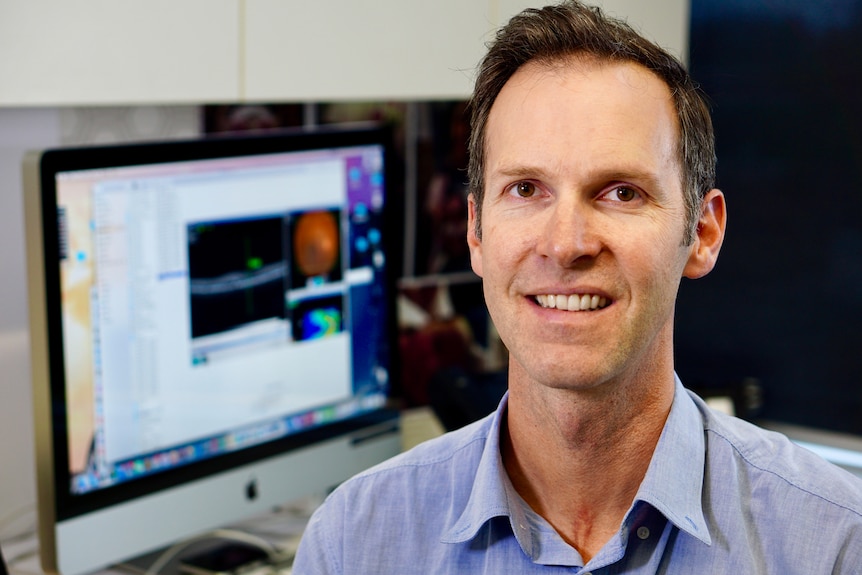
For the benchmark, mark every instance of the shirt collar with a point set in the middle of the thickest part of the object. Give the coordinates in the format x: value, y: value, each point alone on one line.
x: 673, y: 483
x: 674, y: 479
x: 488, y: 497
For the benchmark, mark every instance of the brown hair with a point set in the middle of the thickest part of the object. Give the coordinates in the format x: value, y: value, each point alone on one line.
x: 556, y: 33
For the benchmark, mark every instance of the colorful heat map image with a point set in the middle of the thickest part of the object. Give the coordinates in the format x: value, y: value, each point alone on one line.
x: 317, y: 318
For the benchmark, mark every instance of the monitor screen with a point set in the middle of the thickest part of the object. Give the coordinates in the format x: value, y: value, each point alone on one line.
x: 213, y: 332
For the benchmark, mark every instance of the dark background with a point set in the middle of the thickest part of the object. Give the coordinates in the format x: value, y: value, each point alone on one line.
x: 784, y: 304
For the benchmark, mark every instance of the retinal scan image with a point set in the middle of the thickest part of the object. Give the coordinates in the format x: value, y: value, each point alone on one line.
x: 316, y: 248
x: 237, y: 273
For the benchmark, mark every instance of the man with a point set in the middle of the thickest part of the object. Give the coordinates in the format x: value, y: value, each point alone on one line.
x: 592, y: 170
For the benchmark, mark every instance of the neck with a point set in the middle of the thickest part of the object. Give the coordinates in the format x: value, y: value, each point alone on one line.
x: 596, y: 446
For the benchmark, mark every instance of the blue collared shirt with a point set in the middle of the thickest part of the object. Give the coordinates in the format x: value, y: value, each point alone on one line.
x: 719, y: 496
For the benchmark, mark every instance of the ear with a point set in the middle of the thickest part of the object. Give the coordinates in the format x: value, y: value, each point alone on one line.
x: 473, y: 241
x: 709, y: 236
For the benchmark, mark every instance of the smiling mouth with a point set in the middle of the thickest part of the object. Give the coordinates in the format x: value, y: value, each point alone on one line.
x: 574, y: 302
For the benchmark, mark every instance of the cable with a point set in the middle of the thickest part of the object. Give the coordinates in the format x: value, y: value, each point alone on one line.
x: 8, y: 541
x: 14, y: 561
x: 229, y: 534
x: 13, y: 516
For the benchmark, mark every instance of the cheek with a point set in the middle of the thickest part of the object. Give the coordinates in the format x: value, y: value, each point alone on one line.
x: 666, y: 243
x: 503, y: 248
x: 492, y: 256
x: 662, y: 275
x: 654, y: 262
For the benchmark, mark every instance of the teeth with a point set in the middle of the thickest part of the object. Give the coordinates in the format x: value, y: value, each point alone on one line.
x: 574, y: 302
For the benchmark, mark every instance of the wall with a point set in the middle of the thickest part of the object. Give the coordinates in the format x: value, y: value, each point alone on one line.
x: 23, y: 129
x: 20, y: 129
x: 784, y: 304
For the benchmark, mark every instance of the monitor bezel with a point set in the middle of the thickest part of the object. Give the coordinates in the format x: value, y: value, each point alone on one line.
x: 66, y: 505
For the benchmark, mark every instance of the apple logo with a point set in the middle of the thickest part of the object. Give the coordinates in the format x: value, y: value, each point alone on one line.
x: 251, y: 489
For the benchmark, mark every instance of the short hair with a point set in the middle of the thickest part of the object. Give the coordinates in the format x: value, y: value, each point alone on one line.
x: 556, y: 33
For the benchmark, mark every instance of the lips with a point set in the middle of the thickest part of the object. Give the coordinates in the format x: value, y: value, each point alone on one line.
x: 573, y: 302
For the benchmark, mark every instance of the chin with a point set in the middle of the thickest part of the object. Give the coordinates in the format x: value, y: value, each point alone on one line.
x: 564, y: 377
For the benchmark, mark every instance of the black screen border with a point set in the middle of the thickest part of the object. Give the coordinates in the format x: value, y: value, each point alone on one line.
x: 54, y: 161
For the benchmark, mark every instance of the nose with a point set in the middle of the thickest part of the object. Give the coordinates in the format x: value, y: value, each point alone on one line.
x: 571, y: 233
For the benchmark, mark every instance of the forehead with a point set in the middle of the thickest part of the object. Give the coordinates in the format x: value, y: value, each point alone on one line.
x: 584, y: 112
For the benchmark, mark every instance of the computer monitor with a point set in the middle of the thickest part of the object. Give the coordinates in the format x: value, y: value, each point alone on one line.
x: 213, y: 332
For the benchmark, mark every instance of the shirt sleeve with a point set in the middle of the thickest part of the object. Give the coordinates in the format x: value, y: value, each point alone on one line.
x: 315, y: 554
x: 850, y: 556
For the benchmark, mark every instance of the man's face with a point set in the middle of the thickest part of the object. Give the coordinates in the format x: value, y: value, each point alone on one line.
x: 582, y: 222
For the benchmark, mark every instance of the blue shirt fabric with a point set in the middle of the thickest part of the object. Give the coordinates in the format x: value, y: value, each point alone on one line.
x: 719, y: 496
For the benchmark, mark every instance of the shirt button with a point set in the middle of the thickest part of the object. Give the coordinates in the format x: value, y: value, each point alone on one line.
x: 643, y: 532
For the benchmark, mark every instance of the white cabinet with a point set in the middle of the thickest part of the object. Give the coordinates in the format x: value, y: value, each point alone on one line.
x: 56, y: 52
x: 398, y: 49
x: 348, y: 49
x: 665, y: 22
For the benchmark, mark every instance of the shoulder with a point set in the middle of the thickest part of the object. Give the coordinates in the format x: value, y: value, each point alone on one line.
x: 464, y: 443
x: 777, y: 467
x: 368, y: 511
x: 440, y: 468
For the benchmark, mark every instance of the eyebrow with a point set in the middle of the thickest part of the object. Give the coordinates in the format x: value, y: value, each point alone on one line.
x: 635, y: 175
x: 520, y: 171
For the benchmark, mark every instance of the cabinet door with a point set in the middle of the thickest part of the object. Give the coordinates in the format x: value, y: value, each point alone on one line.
x: 397, y: 49
x: 666, y: 22
x: 361, y: 50
x: 56, y: 52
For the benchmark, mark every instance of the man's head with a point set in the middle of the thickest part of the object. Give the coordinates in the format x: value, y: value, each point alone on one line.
x: 555, y: 33
x: 589, y: 216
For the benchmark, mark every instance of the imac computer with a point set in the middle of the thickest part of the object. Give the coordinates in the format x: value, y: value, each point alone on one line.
x: 213, y: 332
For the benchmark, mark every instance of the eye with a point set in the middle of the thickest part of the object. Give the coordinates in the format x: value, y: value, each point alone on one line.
x: 523, y: 189
x: 622, y: 194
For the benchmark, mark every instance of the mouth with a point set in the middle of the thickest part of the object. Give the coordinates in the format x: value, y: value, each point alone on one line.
x: 573, y: 302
